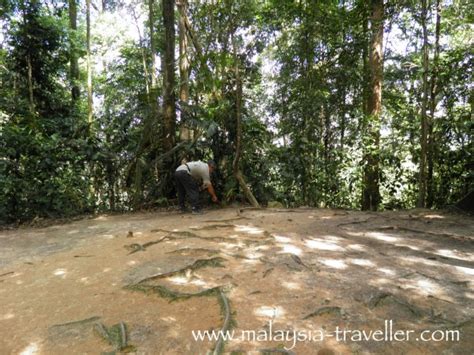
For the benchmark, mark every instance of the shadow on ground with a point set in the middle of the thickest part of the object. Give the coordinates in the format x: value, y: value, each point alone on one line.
x: 283, y: 281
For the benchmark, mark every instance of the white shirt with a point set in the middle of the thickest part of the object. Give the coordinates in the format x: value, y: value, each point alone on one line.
x: 198, y: 170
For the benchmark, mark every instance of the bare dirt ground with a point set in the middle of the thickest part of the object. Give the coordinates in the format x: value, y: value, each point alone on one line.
x: 142, y: 283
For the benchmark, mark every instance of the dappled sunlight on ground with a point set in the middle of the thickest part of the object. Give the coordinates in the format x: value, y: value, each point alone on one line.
x: 84, y: 280
x: 433, y: 216
x: 321, y: 244
x: 334, y: 263
x: 288, y: 248
x: 455, y: 254
x: 7, y: 316
x: 429, y: 287
x: 465, y: 270
x: 387, y: 271
x: 60, y: 272
x: 253, y: 255
x: 282, y: 239
x: 273, y: 312
x: 302, y: 269
x: 362, y: 262
x: 382, y: 236
x: 291, y: 285
x: 248, y: 229
x: 31, y: 349
x: 357, y: 247
x: 407, y: 246
x: 251, y: 261
x: 418, y: 260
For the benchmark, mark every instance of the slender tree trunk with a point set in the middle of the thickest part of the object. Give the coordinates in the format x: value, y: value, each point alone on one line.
x: 422, y: 182
x: 153, y: 90
x: 90, y: 111
x: 183, y: 55
x: 371, y: 194
x: 343, y: 108
x: 365, y: 69
x: 30, y: 85
x: 185, y: 131
x: 433, y: 93
x: 329, y: 180
x: 169, y: 104
x: 143, y: 53
x: 151, y: 24
x: 73, y: 59
x: 110, y: 163
x: 31, y: 98
x: 238, y: 136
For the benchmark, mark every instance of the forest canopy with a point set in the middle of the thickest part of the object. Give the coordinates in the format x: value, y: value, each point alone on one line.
x: 338, y: 103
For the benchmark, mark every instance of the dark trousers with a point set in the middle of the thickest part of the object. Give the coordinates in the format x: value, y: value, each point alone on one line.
x: 187, y: 185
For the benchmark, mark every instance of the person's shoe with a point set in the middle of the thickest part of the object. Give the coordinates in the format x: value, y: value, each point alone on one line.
x: 197, y: 211
x: 183, y: 210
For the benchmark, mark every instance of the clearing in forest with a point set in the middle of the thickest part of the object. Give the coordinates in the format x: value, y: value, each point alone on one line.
x: 144, y: 282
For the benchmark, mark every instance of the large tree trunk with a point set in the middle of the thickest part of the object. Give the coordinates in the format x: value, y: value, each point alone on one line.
x: 89, y: 66
x: 238, y: 136
x: 371, y: 194
x: 424, y: 119
x: 73, y: 59
x: 433, y: 93
x: 169, y: 105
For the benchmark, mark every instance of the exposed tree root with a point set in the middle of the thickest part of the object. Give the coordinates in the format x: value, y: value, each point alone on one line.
x: 7, y: 273
x: 297, y: 260
x: 325, y: 310
x: 353, y: 222
x: 226, y: 220
x: 213, y: 226
x: 160, y: 230
x: 276, y: 351
x: 267, y: 272
x: 381, y: 297
x: 440, y: 299
x: 186, y: 234
x: 412, y: 230
x: 457, y: 283
x: 198, y: 264
x: 76, y: 323
x: 164, y: 239
x: 116, y: 336
x: 257, y: 242
x: 291, y: 267
x: 135, y: 247
x: 169, y: 294
x: 241, y: 210
x: 227, y: 324
x: 189, y: 251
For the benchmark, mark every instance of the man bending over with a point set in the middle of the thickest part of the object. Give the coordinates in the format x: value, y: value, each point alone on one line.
x: 188, y: 177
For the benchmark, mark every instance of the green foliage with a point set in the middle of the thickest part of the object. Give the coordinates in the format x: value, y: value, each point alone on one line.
x: 43, y: 152
x: 305, y: 132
